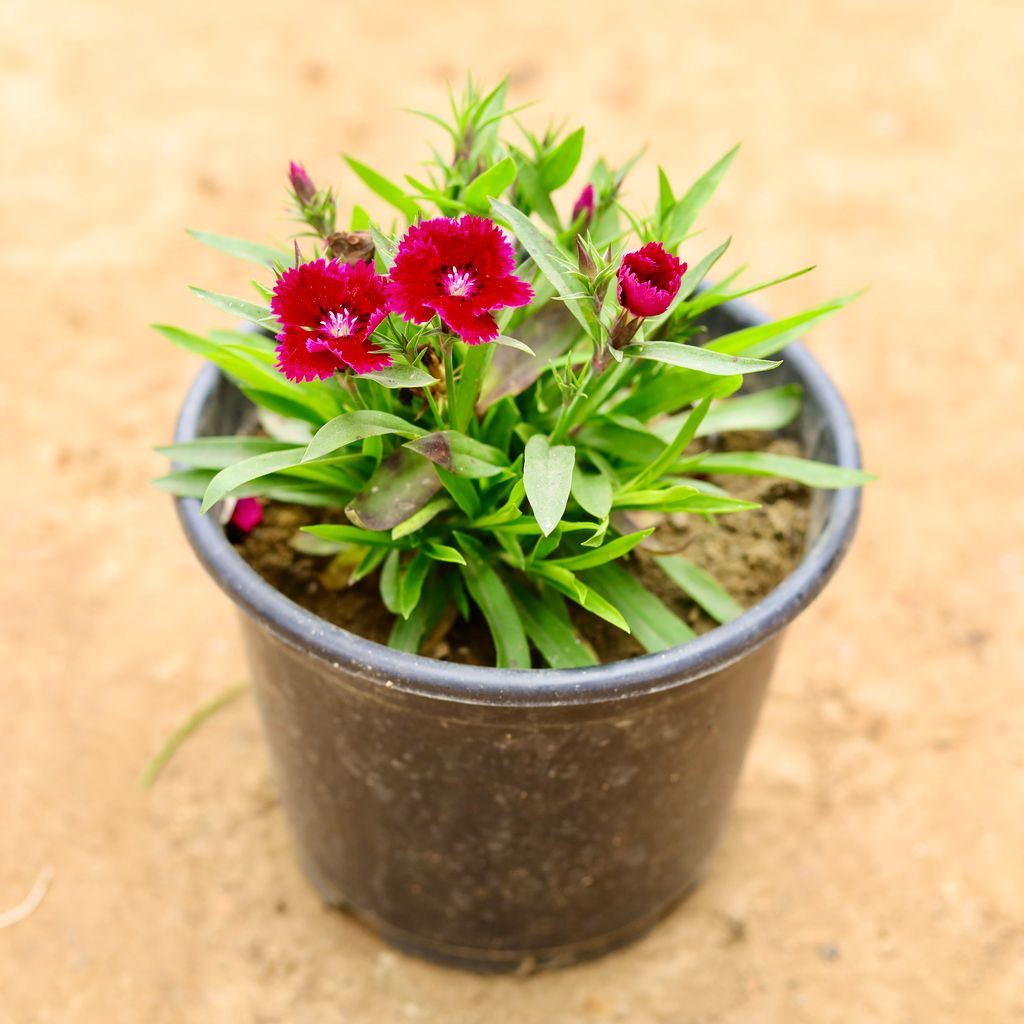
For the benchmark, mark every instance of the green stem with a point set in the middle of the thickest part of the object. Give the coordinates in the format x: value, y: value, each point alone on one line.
x: 447, y: 345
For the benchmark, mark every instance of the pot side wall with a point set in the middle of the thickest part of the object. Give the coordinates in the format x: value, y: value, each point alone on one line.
x: 502, y: 836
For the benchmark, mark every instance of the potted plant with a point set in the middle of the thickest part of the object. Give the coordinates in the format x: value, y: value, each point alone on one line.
x: 474, y: 475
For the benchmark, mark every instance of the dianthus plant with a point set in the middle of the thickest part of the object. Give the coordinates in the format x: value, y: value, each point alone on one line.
x: 496, y: 390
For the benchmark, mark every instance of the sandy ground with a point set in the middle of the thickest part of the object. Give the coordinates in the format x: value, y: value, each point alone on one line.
x: 874, y: 867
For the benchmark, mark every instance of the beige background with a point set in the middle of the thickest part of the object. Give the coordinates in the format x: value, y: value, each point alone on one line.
x: 874, y: 867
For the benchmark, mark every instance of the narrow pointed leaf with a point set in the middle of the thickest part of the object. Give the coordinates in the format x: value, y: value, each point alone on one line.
x: 701, y: 586
x: 387, y: 190
x: 244, y: 472
x: 606, y: 553
x: 350, y: 427
x: 252, y: 252
x: 771, y: 409
x: 549, y: 628
x: 551, y: 265
x: 656, y: 626
x: 238, y: 307
x: 804, y: 471
x: 685, y: 212
x: 492, y: 598
x: 220, y: 452
x: 693, y: 357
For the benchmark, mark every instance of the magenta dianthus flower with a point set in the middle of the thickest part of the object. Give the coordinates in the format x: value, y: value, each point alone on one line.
x: 328, y: 310
x: 649, y: 280
x: 459, y: 270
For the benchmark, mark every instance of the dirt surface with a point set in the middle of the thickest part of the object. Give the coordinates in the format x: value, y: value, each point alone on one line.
x: 873, y: 869
x: 749, y: 554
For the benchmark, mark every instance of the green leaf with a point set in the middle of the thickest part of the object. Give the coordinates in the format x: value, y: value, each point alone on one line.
x: 463, y: 397
x: 492, y: 182
x: 387, y: 190
x: 360, y: 219
x: 411, y: 587
x: 548, y: 259
x: 514, y: 343
x: 237, y: 307
x: 771, y: 409
x: 462, y: 491
x: 558, y: 166
x: 682, y: 498
x: 391, y: 582
x: 606, y: 553
x: 220, y: 452
x: 234, y: 476
x: 350, y: 427
x: 420, y: 519
x: 666, y: 200
x: 283, y: 405
x: 384, y: 248
x: 252, y: 252
x: 693, y: 357
x: 547, y: 476
x: 630, y: 442
x: 565, y: 582
x: 409, y: 634
x: 442, y: 553
x: 651, y: 622
x: 492, y: 598
x: 767, y: 339
x: 402, y: 375
x: 459, y: 454
x: 592, y: 491
x: 674, y: 447
x: 549, y: 628
x: 804, y: 471
x: 701, y: 586
x: 192, y: 483
x: 685, y: 212
x: 402, y: 484
x: 344, y: 534
x: 533, y: 191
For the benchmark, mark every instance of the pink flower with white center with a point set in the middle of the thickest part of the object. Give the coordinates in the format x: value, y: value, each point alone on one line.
x: 460, y: 270
x: 328, y: 311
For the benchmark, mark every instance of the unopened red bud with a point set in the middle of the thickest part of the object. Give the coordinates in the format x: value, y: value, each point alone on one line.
x: 302, y: 184
x: 584, y: 205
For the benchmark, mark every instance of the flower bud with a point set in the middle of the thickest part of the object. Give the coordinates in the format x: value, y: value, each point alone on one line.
x: 586, y: 263
x: 584, y: 205
x: 302, y: 184
x: 649, y: 280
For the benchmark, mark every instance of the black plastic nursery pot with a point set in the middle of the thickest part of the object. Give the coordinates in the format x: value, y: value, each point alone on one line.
x: 507, y: 819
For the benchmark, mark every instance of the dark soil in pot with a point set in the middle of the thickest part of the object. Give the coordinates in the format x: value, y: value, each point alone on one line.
x: 749, y: 553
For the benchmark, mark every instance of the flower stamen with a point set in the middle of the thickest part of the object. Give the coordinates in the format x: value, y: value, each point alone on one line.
x: 459, y: 283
